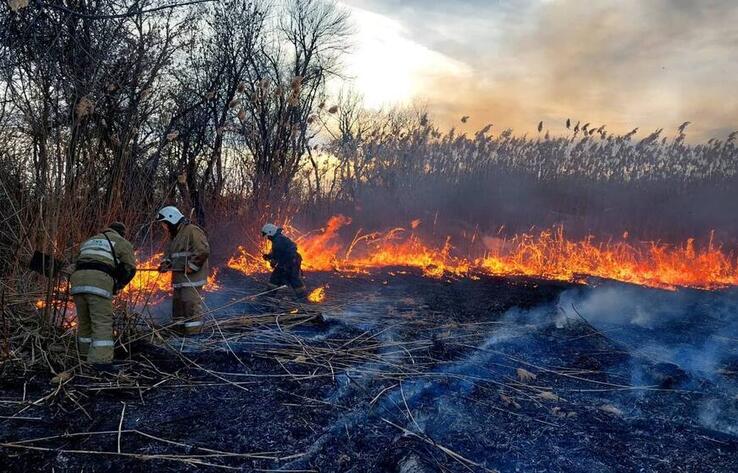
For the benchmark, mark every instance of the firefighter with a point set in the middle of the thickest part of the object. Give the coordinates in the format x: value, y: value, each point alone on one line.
x: 285, y: 261
x: 187, y: 259
x: 104, y: 266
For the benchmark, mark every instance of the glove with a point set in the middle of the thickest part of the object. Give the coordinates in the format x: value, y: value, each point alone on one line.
x: 165, y: 266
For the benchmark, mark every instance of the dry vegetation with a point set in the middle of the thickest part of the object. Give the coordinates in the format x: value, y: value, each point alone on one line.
x: 657, y: 186
x: 109, y: 109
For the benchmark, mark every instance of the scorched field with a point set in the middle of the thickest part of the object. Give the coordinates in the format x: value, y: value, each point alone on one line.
x: 394, y: 371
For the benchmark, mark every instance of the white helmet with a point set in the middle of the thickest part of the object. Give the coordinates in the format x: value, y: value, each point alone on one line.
x: 269, y: 230
x: 170, y: 214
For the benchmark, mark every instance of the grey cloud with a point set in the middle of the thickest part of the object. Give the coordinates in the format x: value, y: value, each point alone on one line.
x: 627, y: 62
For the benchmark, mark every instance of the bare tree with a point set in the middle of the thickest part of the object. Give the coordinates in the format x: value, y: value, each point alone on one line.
x: 286, y: 88
x: 208, y: 95
x: 83, y: 90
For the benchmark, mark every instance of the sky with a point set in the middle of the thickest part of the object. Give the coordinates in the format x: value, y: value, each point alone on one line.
x: 623, y: 63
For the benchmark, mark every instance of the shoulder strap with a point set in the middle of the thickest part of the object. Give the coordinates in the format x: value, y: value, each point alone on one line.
x: 112, y: 249
x: 198, y: 227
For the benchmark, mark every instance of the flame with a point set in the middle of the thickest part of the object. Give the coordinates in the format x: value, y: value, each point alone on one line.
x: 317, y: 295
x: 159, y: 284
x: 548, y: 254
x: 551, y: 255
x: 320, y: 250
x: 212, y: 285
x: 149, y: 287
x: 58, y: 300
x: 248, y: 263
x: 153, y: 286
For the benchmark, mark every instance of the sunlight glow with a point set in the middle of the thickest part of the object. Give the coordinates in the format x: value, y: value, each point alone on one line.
x: 387, y: 67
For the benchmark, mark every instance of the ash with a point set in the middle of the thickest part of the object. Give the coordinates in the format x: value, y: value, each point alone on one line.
x: 396, y: 372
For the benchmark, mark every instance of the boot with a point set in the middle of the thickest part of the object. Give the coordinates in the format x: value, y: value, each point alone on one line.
x: 301, y: 294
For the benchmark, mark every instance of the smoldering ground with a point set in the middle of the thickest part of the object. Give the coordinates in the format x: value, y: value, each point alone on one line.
x: 412, y: 372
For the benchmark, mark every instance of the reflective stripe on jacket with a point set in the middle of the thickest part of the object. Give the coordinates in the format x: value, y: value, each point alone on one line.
x: 98, y: 250
x: 189, y: 249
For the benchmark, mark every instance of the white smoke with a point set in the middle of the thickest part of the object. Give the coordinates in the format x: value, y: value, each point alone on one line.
x: 694, y: 330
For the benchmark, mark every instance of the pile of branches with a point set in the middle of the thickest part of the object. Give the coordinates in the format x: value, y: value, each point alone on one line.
x: 36, y: 347
x: 37, y: 337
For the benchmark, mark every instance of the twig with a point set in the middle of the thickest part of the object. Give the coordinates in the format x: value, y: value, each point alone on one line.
x: 120, y: 425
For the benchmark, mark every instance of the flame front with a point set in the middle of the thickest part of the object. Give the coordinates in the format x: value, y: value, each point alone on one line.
x: 551, y: 255
x: 151, y: 287
x: 548, y: 254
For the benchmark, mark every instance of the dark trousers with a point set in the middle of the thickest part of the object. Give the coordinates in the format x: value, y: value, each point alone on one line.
x: 290, y: 273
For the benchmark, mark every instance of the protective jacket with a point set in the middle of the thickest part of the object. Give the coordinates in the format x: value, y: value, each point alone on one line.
x: 188, y: 254
x: 284, y: 251
x: 287, y: 263
x: 95, y: 268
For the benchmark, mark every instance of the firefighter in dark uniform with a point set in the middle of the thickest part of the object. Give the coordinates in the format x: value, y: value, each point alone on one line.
x: 285, y: 260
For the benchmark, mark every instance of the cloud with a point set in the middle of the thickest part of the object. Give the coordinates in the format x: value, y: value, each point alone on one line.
x: 389, y: 67
x: 626, y: 63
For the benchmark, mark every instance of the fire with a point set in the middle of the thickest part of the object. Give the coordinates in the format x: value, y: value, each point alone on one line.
x: 548, y: 254
x: 154, y: 285
x: 212, y: 284
x: 248, y: 263
x: 148, y: 285
x: 317, y: 295
x: 56, y: 304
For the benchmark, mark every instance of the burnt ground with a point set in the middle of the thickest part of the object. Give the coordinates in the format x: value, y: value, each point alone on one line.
x: 410, y: 374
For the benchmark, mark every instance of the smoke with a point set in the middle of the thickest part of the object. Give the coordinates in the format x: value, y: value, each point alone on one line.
x: 625, y: 63
x: 617, y: 305
x: 719, y: 415
x: 693, y: 330
x: 621, y: 64
x: 588, y: 58
x: 683, y: 340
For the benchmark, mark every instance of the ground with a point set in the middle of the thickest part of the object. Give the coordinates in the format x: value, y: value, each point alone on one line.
x: 408, y: 374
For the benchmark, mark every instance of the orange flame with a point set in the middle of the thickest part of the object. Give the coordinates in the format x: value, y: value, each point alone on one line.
x: 548, y: 254
x: 212, y: 285
x: 248, y: 263
x: 154, y: 286
x: 551, y: 255
x: 317, y: 295
x: 146, y: 287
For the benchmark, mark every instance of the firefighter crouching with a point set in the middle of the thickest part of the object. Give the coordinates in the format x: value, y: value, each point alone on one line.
x: 105, y: 265
x: 187, y: 259
x: 285, y: 261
